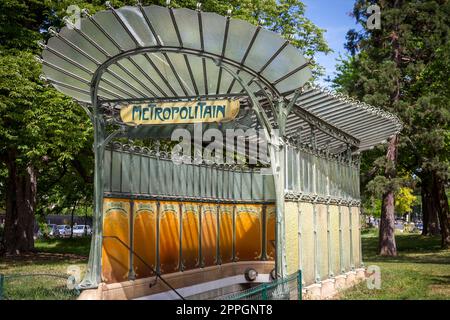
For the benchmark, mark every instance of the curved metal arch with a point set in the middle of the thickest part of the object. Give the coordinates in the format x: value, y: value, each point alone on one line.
x: 97, y: 77
x: 93, y: 275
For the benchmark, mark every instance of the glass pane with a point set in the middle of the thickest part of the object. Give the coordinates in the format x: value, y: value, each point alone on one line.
x: 286, y: 61
x: 64, y: 49
x: 188, y: 26
x: 53, y: 74
x: 89, y: 28
x: 144, y: 84
x: 74, y: 94
x: 212, y: 72
x: 133, y: 19
x: 114, y: 29
x: 123, y: 92
x: 61, y: 63
x: 295, y: 81
x: 126, y: 179
x: 162, y: 23
x: 161, y: 63
x: 125, y: 81
x: 265, y: 45
x: 197, y: 72
x: 213, y: 32
x: 239, y: 37
x: 79, y: 41
x: 145, y: 175
x: 145, y: 65
x: 180, y: 66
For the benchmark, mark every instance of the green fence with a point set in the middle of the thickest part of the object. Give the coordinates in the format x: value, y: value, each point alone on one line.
x: 288, y: 288
x: 39, y: 286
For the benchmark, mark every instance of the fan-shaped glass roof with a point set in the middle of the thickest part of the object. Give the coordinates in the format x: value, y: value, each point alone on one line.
x: 140, y: 53
x: 155, y: 51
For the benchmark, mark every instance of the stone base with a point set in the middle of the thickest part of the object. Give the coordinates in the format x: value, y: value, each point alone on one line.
x: 328, y: 288
x: 351, y: 279
x: 340, y: 282
x: 325, y: 289
x: 313, y: 292
x: 360, y: 273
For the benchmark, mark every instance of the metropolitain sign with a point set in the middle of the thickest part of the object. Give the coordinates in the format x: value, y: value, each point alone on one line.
x: 181, y: 112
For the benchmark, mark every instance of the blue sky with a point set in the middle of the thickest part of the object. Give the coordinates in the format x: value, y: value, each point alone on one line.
x: 332, y: 15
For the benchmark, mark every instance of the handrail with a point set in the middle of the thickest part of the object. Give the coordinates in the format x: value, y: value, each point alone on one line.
x: 158, y: 275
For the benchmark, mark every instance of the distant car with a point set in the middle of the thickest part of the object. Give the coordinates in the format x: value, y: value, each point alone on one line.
x: 64, y: 230
x: 81, y: 230
x: 53, y: 230
x: 419, y: 226
x: 399, y: 226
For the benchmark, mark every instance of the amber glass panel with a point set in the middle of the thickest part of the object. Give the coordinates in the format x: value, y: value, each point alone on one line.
x: 169, y: 237
x: 209, y: 235
x: 190, y: 239
x: 115, y: 256
x: 144, y: 237
x: 226, y: 233
x: 270, y: 231
x: 248, y: 232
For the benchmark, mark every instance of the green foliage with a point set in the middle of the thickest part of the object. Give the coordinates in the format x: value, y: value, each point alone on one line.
x: 404, y: 201
x: 38, y: 125
x: 20, y: 23
x: 50, y: 131
x: 37, y: 121
x: 404, y: 68
x: 372, y: 207
x: 420, y: 271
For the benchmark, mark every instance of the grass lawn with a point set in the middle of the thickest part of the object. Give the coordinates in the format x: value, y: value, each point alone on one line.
x: 420, y: 271
x: 49, y: 266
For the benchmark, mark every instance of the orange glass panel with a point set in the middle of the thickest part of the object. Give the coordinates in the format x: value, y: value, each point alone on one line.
x: 115, y: 256
x: 144, y: 237
x: 169, y: 237
x: 190, y: 236
x: 209, y: 235
x: 270, y: 231
x: 226, y: 233
x: 248, y: 232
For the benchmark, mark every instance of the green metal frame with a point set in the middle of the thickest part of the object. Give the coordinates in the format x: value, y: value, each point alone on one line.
x: 270, y: 290
x: 276, y: 152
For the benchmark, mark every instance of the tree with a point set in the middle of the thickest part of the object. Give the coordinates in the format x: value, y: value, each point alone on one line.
x: 401, y: 69
x: 38, y: 126
x: 404, y: 201
x: 46, y: 139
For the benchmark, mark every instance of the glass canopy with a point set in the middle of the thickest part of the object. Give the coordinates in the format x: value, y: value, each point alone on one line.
x: 187, y: 44
x: 163, y: 53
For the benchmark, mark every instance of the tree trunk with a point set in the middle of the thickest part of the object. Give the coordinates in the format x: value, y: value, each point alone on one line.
x: 20, y: 207
x: 386, y: 245
x: 441, y: 201
x: 429, y: 205
x: 71, y: 221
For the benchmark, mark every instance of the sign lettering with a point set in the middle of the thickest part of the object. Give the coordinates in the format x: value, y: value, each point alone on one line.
x: 180, y: 112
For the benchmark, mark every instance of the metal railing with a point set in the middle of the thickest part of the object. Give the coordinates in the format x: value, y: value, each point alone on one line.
x: 288, y: 288
x: 156, y: 273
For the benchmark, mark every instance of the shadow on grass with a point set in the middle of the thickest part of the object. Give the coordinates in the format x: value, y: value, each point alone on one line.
x: 411, y: 248
x: 33, y: 287
x: 79, y: 245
